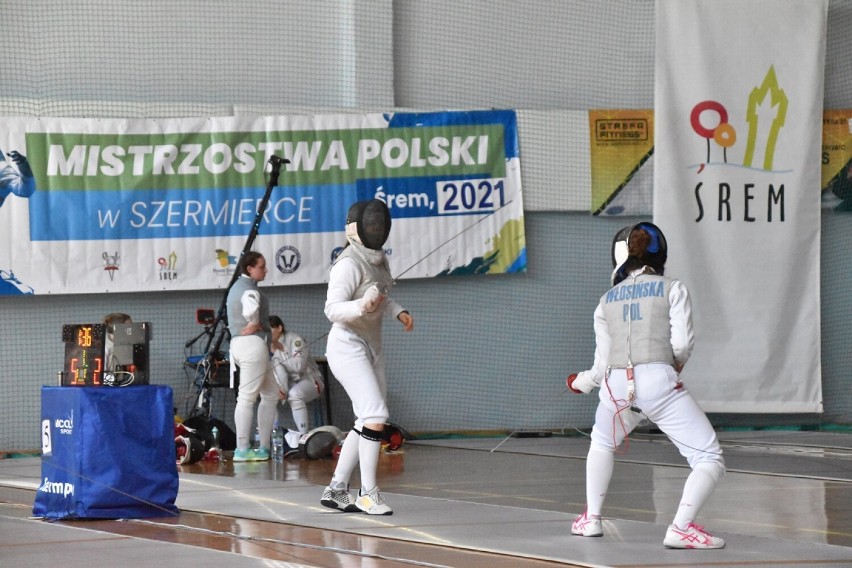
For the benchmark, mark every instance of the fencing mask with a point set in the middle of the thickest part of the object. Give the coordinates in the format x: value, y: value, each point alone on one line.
x: 370, y: 221
x: 655, y: 253
x: 320, y: 442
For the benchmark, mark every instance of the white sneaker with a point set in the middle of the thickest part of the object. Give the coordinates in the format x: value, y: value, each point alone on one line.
x: 373, y: 503
x: 338, y: 499
x: 693, y: 536
x: 585, y: 525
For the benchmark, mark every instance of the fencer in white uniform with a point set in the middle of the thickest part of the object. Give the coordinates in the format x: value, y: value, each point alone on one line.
x: 356, y: 302
x: 297, y: 374
x: 644, y: 337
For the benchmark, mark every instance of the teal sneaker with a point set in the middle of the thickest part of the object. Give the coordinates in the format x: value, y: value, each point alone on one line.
x: 260, y: 454
x: 243, y: 455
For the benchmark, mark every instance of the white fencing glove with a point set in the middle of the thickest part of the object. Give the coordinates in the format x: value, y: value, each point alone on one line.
x: 371, y: 299
x: 581, y: 383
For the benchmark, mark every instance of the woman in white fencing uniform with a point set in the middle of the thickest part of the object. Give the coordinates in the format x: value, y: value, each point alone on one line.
x: 644, y: 337
x: 355, y: 304
x: 297, y: 375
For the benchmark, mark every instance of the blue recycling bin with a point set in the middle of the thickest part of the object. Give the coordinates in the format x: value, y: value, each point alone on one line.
x: 107, y: 453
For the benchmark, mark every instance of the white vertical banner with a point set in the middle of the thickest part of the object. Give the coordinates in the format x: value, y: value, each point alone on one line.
x: 739, y: 93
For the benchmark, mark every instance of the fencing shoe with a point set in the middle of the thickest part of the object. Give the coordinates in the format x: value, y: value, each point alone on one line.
x: 586, y: 525
x: 251, y: 455
x: 373, y: 503
x: 693, y: 536
x: 338, y: 499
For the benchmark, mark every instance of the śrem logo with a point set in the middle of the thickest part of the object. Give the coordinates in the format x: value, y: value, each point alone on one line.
x: 766, y: 113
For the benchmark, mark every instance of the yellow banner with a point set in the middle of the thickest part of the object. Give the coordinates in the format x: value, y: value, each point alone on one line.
x: 837, y: 159
x: 621, y: 142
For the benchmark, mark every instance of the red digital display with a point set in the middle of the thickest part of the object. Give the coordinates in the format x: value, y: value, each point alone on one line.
x: 87, y: 372
x: 84, y: 354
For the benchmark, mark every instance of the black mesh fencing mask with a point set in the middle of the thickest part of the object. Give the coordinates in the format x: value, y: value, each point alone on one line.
x: 320, y: 442
x: 373, y: 222
x: 655, y: 255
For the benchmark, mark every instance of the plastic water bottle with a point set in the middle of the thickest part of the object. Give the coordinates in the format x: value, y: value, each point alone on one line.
x: 215, y: 452
x: 277, y: 443
x: 255, y: 443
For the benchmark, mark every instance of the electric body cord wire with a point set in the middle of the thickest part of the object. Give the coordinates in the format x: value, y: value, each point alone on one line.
x: 626, y: 437
x: 620, y: 409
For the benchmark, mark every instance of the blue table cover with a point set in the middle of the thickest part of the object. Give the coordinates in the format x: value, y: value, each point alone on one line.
x: 107, y: 453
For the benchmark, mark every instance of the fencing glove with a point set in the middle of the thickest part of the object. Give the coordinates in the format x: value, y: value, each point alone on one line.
x: 371, y: 299
x: 580, y: 383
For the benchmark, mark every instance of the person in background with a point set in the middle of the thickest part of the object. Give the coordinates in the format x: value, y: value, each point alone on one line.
x: 297, y: 374
x: 248, y: 323
x: 109, y: 341
x: 355, y: 305
x: 644, y: 337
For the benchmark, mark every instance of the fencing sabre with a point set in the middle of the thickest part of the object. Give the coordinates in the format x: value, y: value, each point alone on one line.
x: 396, y: 279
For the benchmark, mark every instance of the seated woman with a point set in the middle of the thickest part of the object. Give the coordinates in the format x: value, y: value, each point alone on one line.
x: 297, y: 375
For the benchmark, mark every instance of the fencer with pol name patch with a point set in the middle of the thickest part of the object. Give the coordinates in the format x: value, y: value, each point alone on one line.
x: 644, y: 337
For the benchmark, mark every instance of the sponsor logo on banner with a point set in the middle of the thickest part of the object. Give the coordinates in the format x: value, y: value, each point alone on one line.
x: 111, y: 262
x: 622, y: 143
x: 168, y: 266
x: 57, y: 487
x: 65, y: 426
x: 225, y: 263
x: 288, y: 259
x: 753, y: 200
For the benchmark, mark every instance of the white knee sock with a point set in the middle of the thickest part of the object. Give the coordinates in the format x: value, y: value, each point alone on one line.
x: 243, y: 414
x: 300, y: 415
x: 368, y: 451
x: 698, y: 487
x: 267, y: 410
x: 599, y: 466
x: 347, y: 461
